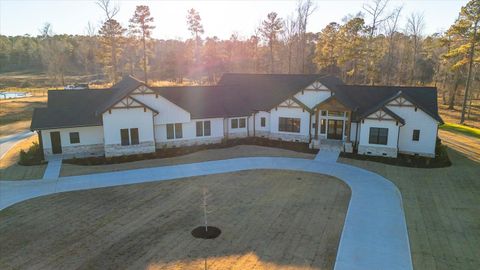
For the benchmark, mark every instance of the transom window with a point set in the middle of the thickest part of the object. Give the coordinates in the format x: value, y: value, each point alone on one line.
x: 286, y: 124
x: 416, y: 135
x: 203, y: 128
x: 378, y: 136
x: 336, y: 113
x: 74, y: 137
x: 174, y: 131
x: 129, y: 137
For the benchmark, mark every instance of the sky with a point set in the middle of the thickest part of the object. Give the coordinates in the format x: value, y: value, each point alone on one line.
x: 219, y: 18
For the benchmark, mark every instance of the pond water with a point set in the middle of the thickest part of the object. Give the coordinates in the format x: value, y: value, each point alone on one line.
x: 8, y: 95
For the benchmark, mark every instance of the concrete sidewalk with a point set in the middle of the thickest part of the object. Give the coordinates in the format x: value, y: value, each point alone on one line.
x: 53, y: 168
x: 374, y: 234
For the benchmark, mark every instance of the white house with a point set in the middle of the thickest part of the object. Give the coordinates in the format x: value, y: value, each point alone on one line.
x: 133, y: 118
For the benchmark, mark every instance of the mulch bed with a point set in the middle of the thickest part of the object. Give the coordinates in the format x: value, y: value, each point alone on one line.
x: 209, y: 233
x: 441, y: 159
x: 180, y: 151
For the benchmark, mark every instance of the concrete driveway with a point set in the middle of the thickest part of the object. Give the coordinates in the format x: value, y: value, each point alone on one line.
x: 374, y: 235
x: 7, y: 142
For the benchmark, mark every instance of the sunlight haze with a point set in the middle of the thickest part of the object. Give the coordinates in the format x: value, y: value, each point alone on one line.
x: 220, y: 18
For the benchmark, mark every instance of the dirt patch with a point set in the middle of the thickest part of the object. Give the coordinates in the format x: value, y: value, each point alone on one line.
x: 210, y: 232
x: 269, y: 220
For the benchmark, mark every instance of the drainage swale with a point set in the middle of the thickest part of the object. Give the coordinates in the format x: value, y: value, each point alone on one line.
x: 206, y: 233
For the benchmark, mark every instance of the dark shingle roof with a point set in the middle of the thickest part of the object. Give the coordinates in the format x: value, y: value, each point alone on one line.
x: 70, y: 109
x: 234, y: 95
x: 364, y: 99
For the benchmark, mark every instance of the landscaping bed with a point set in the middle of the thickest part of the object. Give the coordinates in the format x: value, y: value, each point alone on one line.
x: 180, y: 151
x: 441, y: 159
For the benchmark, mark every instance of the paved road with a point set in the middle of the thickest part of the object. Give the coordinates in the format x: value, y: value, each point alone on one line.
x: 8, y: 142
x: 374, y: 235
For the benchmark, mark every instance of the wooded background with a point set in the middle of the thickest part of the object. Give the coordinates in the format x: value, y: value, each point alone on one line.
x: 370, y: 47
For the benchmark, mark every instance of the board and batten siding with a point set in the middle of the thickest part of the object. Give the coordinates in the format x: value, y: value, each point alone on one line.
x: 168, y: 112
x: 390, y: 149
x: 304, y: 117
x: 416, y: 120
x: 91, y: 141
x: 117, y: 119
x: 311, y: 96
x: 189, y: 132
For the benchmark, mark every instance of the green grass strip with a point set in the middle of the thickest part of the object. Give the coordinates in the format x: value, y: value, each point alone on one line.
x: 469, y: 131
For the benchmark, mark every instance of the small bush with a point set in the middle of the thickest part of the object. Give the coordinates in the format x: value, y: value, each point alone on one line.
x: 33, y: 156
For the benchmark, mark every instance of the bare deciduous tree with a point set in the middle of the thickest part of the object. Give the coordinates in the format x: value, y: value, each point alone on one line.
x: 415, y: 27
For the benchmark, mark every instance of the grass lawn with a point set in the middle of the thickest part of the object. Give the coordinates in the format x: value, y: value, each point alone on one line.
x: 269, y: 220
x: 16, y: 114
x: 466, y: 130
x: 442, y: 211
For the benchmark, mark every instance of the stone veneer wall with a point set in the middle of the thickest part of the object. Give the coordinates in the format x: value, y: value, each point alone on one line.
x: 190, y: 142
x: 112, y: 150
x: 238, y: 135
x: 377, y: 151
x: 289, y: 137
x: 78, y: 151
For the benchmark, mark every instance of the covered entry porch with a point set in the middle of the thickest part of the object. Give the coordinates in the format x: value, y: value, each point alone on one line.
x: 331, y: 124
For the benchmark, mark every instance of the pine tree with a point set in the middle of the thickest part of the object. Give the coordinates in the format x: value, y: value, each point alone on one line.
x: 140, y: 24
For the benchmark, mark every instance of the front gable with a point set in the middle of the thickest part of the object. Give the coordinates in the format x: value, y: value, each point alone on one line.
x: 142, y: 90
x: 400, y: 102
x: 131, y: 103
x: 313, y: 94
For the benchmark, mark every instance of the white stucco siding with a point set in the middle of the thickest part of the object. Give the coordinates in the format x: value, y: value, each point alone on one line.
x: 304, y: 116
x: 118, y: 119
x: 392, y: 132
x: 311, y: 97
x: 189, y: 131
x: 168, y: 112
x: 416, y: 120
x: 237, y: 132
x: 88, y: 136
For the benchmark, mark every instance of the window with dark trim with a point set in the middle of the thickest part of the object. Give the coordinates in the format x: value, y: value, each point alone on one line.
x: 378, y: 136
x: 286, y: 124
x: 263, y: 122
x: 242, y: 123
x: 203, y: 128
x: 125, y: 138
x: 74, y: 137
x: 234, y: 123
x: 206, y: 128
x: 323, y: 126
x: 174, y: 131
x: 134, y: 136
x: 324, y: 113
x: 178, y: 131
x: 416, y: 135
x: 199, y: 128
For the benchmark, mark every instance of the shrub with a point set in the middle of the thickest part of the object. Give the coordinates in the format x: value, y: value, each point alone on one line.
x: 33, y: 156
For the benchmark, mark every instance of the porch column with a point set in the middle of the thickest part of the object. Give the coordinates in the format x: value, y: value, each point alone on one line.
x: 317, y: 124
x: 348, y: 125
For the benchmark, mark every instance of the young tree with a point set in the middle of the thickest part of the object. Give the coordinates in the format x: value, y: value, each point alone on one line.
x: 140, y: 24
x: 270, y: 29
x: 110, y: 32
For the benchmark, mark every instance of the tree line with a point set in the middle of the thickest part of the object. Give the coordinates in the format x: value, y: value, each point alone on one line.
x: 370, y: 47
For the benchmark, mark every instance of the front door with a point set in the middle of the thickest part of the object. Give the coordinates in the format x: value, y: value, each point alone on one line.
x: 335, y: 129
x: 56, y: 142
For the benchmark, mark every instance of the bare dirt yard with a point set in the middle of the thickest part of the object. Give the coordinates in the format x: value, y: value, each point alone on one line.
x: 269, y: 220
x: 205, y: 155
x: 442, y: 211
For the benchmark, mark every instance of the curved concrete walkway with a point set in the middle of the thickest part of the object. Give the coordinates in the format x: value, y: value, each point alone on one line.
x: 374, y: 234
